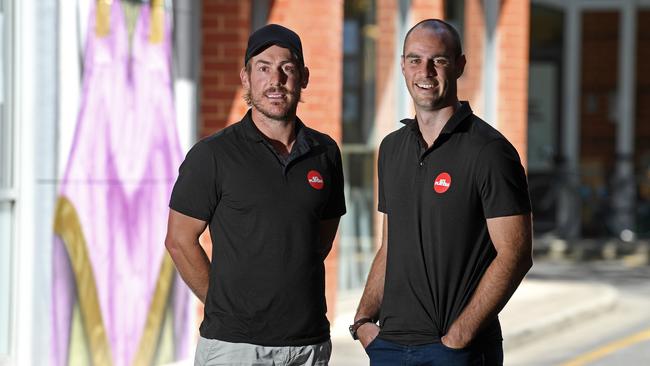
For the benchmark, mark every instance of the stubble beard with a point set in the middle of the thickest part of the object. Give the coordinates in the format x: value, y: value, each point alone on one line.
x: 286, y: 114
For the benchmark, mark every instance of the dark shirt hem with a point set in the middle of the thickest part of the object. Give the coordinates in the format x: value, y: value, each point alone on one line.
x: 267, y: 342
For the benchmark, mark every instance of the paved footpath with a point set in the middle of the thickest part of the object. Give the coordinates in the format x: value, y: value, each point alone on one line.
x: 538, y: 308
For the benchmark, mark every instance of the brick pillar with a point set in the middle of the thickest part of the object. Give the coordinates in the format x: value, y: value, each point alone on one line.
x: 386, y: 71
x: 470, y: 83
x: 513, y: 29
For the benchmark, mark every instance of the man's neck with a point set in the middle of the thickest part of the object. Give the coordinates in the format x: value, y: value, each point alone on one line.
x: 280, y: 133
x: 431, y: 122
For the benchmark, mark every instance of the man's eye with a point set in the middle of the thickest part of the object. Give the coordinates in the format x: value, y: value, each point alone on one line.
x: 415, y: 61
x: 441, y: 61
x: 264, y: 68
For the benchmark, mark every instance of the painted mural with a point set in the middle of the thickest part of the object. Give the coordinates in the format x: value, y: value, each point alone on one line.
x: 117, y: 299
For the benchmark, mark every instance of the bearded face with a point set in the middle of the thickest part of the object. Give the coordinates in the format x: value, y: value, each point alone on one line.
x: 273, y: 82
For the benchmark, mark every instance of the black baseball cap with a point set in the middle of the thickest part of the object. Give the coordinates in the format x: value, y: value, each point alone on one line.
x: 273, y: 34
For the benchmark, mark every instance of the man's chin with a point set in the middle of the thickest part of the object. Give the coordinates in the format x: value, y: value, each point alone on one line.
x: 428, y: 103
x: 276, y: 110
x: 281, y: 114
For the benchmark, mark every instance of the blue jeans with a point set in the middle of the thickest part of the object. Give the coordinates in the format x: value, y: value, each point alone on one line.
x: 385, y: 353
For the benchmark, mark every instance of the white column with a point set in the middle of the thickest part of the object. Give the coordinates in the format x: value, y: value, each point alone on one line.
x: 568, y: 202
x: 187, y: 46
x: 624, y: 187
x: 36, y: 114
x: 24, y: 115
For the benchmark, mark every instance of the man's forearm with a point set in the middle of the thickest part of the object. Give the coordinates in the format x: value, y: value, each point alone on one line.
x: 499, y: 282
x: 373, y: 293
x: 193, y: 265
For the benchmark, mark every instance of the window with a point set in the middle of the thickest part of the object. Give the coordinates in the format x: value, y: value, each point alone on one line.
x: 356, y: 249
x: 455, y: 15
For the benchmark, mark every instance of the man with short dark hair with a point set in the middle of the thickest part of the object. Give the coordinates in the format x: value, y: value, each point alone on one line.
x: 271, y: 191
x: 456, y: 226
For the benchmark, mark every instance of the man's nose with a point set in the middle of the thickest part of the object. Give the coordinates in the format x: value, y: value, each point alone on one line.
x: 278, y: 77
x: 431, y: 68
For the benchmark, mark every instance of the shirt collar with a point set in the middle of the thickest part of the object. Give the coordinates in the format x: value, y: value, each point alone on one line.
x: 304, y: 136
x: 459, y: 116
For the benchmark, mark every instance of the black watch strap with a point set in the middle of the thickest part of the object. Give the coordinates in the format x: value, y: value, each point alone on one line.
x: 353, y: 328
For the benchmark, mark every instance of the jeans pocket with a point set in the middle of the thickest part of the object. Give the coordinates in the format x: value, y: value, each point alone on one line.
x: 372, y: 343
x: 456, y: 350
x: 466, y: 356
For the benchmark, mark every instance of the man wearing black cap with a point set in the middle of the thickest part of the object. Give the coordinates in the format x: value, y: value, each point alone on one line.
x: 270, y: 189
x: 456, y: 224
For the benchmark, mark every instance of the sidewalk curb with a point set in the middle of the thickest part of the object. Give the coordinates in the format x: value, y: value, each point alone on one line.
x: 553, y: 322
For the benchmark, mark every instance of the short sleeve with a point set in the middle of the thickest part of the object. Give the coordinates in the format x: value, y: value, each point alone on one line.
x: 195, y: 191
x: 501, y: 180
x: 381, y: 197
x: 335, y: 206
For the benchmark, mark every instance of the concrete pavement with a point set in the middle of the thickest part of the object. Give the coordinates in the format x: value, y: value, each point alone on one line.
x: 538, y: 308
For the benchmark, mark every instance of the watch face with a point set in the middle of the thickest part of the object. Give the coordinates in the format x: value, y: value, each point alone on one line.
x: 353, y: 332
x: 355, y: 326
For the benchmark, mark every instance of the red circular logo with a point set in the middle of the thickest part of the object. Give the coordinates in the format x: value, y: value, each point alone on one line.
x: 442, y: 183
x: 315, y: 179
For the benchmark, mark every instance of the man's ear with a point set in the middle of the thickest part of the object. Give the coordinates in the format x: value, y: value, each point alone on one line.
x: 305, y: 78
x: 460, y: 65
x: 243, y: 75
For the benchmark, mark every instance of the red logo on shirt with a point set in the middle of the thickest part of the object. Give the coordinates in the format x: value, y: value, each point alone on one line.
x: 315, y: 179
x: 442, y: 183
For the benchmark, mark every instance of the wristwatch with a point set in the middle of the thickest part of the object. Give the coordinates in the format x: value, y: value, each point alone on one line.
x: 353, y: 328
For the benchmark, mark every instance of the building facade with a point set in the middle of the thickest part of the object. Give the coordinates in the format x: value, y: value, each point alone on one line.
x: 100, y: 100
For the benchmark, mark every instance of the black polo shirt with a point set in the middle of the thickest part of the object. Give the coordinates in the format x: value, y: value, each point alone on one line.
x: 437, y: 201
x: 267, y: 278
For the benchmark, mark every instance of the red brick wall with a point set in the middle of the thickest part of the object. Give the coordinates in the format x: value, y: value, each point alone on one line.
x: 385, y: 68
x: 513, y: 37
x: 225, y: 30
x: 385, y: 46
